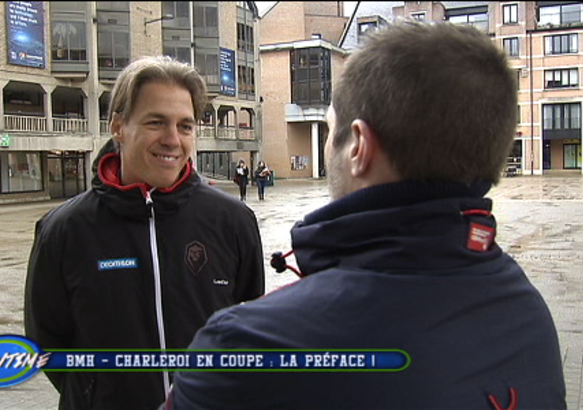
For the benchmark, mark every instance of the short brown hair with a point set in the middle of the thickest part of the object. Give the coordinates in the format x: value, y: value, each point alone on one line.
x: 440, y: 97
x: 155, y: 69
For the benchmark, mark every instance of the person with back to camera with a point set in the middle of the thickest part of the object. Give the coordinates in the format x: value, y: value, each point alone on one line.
x: 404, y: 257
x: 242, y: 179
x: 262, y: 174
x: 142, y: 259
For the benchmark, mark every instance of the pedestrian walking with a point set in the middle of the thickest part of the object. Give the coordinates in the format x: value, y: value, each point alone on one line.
x: 262, y: 175
x: 404, y: 257
x: 142, y: 259
x: 242, y: 179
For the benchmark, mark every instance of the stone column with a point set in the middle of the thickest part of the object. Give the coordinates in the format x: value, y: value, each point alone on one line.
x: 48, y: 103
x: 2, y: 85
x: 315, y: 151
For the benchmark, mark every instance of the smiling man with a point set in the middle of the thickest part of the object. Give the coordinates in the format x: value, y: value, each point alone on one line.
x: 142, y: 259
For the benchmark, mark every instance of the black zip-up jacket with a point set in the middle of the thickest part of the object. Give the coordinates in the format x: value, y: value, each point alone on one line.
x: 118, y: 267
x: 410, y: 266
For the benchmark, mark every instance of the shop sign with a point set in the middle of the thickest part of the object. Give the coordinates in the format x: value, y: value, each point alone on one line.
x: 5, y: 140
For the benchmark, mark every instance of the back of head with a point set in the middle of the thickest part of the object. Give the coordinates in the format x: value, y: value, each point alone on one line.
x: 155, y: 69
x: 441, y: 98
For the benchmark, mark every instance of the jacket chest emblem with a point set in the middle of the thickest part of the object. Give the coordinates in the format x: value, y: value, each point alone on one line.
x: 195, y: 256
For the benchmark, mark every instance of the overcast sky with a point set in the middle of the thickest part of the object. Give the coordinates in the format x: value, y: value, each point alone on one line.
x: 263, y: 6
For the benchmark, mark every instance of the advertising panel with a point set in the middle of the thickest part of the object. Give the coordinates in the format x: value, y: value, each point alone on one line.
x: 227, y: 71
x: 25, y: 33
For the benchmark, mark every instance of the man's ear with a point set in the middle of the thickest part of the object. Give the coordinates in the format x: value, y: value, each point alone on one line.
x: 116, y: 127
x: 364, y: 147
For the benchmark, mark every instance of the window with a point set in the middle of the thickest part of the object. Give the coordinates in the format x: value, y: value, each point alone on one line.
x: 519, y: 115
x: 479, y: 20
x: 310, y: 75
x: 113, y: 36
x: 364, y: 27
x: 562, y: 116
x: 418, y: 16
x: 206, y: 21
x: 69, y: 43
x: 562, y: 78
x: 178, y: 9
x: 572, y: 156
x: 245, y: 38
x: 560, y: 14
x: 20, y: 172
x: 246, y: 79
x: 114, y: 49
x: 510, y: 14
x: 207, y: 62
x: 179, y: 53
x: 518, y: 75
x: 511, y: 46
x: 562, y: 44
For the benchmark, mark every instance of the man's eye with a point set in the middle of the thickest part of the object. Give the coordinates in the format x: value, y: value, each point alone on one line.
x: 187, y: 127
x: 155, y: 122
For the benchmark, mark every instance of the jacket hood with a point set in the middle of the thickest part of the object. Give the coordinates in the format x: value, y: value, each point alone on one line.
x: 130, y: 200
x: 405, y: 226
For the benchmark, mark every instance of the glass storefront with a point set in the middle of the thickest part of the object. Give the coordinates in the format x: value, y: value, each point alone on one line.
x: 66, y: 174
x: 572, y: 156
x: 20, y: 172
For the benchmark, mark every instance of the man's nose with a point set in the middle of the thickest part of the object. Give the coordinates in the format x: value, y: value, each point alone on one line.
x: 171, y: 135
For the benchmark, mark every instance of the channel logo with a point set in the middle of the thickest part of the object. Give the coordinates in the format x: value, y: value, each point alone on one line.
x: 20, y: 359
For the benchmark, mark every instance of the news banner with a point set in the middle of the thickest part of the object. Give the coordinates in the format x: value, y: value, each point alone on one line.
x: 20, y: 358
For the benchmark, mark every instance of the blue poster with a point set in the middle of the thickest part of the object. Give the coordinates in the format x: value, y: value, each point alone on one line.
x: 25, y: 24
x: 227, y: 71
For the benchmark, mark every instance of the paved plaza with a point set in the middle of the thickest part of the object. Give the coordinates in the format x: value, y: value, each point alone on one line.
x: 540, y: 223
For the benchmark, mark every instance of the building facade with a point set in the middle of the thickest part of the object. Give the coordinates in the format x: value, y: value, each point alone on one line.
x: 300, y: 61
x: 58, y: 64
x: 543, y: 43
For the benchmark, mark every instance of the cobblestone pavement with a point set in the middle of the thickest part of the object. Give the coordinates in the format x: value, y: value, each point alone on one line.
x: 540, y: 224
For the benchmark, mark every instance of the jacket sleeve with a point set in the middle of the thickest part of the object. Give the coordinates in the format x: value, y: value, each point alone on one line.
x: 47, y: 317
x: 251, y: 272
x: 213, y: 390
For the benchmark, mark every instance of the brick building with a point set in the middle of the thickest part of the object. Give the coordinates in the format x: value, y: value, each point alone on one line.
x: 542, y: 39
x: 300, y: 60
x: 543, y: 42
x: 58, y: 64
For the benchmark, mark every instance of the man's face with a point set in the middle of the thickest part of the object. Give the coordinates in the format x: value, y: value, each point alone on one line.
x: 156, y: 140
x: 336, y: 158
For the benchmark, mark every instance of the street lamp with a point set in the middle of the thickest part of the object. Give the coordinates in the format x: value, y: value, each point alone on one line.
x: 164, y: 17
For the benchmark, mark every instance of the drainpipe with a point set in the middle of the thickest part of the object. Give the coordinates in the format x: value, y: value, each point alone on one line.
x: 531, y: 108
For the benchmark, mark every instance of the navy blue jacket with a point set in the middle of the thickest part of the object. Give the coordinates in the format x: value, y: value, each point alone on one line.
x: 396, y: 266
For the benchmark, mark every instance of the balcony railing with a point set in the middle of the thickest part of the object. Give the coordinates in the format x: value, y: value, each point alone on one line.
x: 68, y: 125
x: 247, y: 134
x: 227, y: 133
x: 205, y: 131
x: 25, y: 123
x: 104, y: 127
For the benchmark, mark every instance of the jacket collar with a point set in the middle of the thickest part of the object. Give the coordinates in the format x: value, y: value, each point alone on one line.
x: 402, y: 226
x: 130, y: 200
x: 109, y: 171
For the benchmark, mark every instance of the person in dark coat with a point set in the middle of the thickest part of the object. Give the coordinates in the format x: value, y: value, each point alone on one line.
x: 262, y: 175
x: 142, y: 259
x: 405, y: 255
x: 242, y: 179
